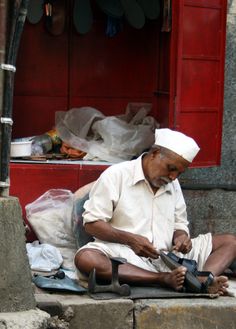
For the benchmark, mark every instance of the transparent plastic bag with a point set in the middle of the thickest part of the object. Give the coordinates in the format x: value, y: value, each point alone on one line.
x: 51, y: 217
x: 112, y: 138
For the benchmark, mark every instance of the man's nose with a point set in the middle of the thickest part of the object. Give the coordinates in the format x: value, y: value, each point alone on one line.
x: 173, y: 175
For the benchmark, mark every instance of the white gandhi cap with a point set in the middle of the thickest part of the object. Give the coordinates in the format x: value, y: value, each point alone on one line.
x: 177, y: 142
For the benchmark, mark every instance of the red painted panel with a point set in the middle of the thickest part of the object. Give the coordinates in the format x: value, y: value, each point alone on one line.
x: 89, y: 173
x: 204, y: 3
x: 108, y: 106
x: 200, y: 76
x: 201, y: 39
x: 200, y: 84
x: 203, y: 127
x: 28, y: 182
x: 42, y: 63
x: 122, y: 66
x: 35, y: 115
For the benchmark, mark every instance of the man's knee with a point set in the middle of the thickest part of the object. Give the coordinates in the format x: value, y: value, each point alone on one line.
x: 220, y: 240
x: 87, y: 259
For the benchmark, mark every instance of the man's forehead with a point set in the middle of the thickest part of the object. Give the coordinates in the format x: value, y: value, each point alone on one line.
x: 173, y: 158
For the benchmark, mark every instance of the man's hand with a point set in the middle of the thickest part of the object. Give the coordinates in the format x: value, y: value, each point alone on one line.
x: 105, y: 232
x: 142, y: 246
x: 182, y: 242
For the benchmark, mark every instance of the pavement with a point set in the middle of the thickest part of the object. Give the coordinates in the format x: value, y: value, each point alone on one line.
x: 83, y: 312
x: 76, y: 311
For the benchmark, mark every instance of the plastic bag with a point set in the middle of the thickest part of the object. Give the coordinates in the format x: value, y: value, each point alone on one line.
x: 113, y: 138
x: 43, y: 257
x: 51, y: 217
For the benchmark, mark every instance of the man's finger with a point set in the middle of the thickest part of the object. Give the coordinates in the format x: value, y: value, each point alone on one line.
x: 177, y: 246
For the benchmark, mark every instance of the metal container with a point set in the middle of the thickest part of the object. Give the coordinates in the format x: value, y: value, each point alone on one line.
x: 21, y: 149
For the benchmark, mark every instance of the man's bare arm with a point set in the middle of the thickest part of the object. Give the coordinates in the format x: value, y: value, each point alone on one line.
x: 105, y: 232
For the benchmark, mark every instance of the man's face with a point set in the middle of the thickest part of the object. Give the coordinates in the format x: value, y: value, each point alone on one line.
x: 161, y: 169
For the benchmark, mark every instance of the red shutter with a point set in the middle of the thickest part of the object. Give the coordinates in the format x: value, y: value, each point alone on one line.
x: 200, y: 75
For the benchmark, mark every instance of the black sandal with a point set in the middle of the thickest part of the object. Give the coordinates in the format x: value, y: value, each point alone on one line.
x: 191, y: 283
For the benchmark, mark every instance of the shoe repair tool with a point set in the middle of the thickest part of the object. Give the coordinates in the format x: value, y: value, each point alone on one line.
x: 114, y: 286
x: 191, y: 284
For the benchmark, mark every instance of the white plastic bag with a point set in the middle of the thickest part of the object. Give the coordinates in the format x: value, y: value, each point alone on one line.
x: 43, y: 257
x: 51, y: 217
x: 112, y: 138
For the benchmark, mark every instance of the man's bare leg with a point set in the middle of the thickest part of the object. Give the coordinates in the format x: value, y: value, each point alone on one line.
x: 222, y: 256
x: 87, y: 259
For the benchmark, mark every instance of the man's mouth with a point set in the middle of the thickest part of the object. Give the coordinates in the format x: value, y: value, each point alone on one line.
x: 161, y: 182
x: 164, y: 180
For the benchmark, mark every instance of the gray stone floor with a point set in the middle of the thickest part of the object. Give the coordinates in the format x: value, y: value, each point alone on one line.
x: 185, y: 313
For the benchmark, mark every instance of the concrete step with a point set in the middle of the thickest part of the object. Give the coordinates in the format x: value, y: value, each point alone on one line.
x: 32, y: 319
x: 83, y: 312
x: 187, y: 313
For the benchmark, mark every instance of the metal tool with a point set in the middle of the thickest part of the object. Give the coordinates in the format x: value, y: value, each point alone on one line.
x: 114, y: 286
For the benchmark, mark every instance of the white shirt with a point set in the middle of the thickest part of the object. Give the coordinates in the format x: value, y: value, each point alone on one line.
x: 123, y: 197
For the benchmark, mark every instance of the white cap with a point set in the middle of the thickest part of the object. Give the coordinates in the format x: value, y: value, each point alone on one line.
x: 177, y: 142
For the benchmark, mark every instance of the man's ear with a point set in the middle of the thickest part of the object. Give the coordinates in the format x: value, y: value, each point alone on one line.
x: 156, y: 151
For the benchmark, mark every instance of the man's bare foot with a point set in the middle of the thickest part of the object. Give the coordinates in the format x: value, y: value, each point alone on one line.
x: 175, y: 279
x: 218, y: 286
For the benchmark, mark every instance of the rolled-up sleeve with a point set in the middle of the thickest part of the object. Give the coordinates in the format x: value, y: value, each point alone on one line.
x: 102, y: 199
x: 181, y: 222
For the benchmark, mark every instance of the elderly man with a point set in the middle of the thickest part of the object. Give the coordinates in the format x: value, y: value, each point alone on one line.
x: 136, y: 209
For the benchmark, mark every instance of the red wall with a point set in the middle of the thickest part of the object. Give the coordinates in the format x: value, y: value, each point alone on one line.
x: 56, y: 73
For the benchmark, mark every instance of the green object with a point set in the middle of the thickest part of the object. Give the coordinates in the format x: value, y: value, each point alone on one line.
x: 82, y: 16
x: 133, y: 13
x: 151, y: 8
x: 111, y: 8
x: 35, y: 11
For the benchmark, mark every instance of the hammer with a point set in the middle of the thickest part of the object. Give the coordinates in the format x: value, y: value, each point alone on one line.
x: 114, y: 286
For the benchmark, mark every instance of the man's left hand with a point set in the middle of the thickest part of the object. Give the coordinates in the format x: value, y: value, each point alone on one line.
x: 182, y: 242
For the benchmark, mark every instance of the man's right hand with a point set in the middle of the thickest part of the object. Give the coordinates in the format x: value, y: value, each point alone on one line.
x: 142, y: 246
x: 139, y: 244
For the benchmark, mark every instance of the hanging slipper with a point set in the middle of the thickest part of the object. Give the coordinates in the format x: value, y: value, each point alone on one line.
x: 82, y: 16
x: 133, y: 13
x: 191, y: 284
x: 55, y: 16
x: 151, y: 8
x: 112, y: 8
x: 35, y: 11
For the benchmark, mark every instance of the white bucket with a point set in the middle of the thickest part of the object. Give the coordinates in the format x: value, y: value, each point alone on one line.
x: 21, y: 149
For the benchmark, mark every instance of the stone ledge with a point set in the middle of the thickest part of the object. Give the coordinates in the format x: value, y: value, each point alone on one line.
x: 186, y: 313
x: 90, y: 313
x: 175, y: 313
x: 32, y: 319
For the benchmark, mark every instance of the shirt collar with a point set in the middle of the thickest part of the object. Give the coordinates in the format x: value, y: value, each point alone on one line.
x: 138, y: 170
x: 139, y: 175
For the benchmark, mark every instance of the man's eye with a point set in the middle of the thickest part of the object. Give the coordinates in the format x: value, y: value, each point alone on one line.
x: 172, y: 168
